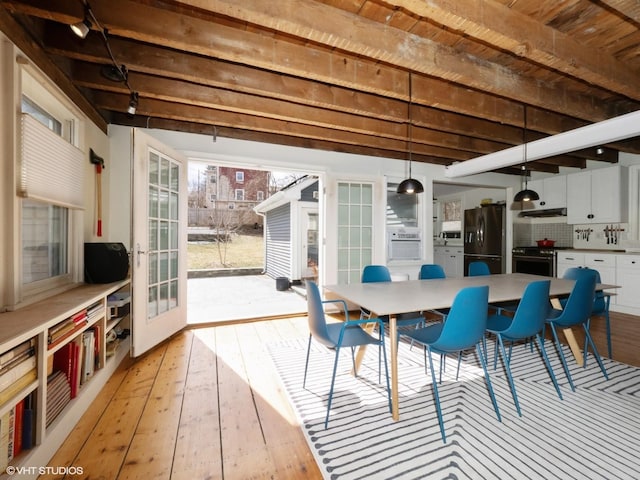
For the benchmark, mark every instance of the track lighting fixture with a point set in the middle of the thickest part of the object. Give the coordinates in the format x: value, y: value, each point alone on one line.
x: 410, y: 186
x: 82, y: 28
x: 133, y: 103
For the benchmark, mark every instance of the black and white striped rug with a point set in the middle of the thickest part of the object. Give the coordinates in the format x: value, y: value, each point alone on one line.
x: 594, y: 433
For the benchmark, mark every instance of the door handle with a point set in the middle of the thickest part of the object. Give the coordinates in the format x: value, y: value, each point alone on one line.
x: 139, y: 252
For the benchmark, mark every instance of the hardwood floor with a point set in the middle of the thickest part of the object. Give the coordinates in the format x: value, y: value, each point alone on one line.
x: 207, y: 404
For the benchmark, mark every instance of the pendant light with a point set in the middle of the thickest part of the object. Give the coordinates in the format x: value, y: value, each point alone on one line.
x: 525, y: 195
x: 410, y: 186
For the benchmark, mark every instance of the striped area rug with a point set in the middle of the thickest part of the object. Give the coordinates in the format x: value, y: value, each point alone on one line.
x: 594, y: 433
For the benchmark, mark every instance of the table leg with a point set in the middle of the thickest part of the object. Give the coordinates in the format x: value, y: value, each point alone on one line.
x: 393, y: 335
x: 369, y: 327
x: 570, y: 337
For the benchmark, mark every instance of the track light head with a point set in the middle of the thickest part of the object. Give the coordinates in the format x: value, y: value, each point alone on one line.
x: 133, y: 103
x: 81, y: 29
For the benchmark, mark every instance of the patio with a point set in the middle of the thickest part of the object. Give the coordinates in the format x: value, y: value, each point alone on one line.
x: 234, y: 298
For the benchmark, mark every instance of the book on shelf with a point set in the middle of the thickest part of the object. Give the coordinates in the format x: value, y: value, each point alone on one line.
x: 4, y: 441
x: 16, y: 351
x: 17, y: 435
x: 57, y: 339
x: 88, y: 355
x: 58, y: 395
x: 12, y: 375
x: 28, y: 417
x: 17, y: 360
x: 20, y: 384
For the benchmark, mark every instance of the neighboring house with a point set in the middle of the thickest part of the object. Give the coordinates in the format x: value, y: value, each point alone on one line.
x: 291, y: 231
x: 227, y: 189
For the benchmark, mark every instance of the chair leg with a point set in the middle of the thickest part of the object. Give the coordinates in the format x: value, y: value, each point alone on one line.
x: 548, y: 364
x: 333, y: 381
x: 488, y: 381
x: 507, y: 366
x: 608, y: 326
x: 595, y: 350
x: 306, y: 363
x: 459, y: 361
x: 437, y: 397
x: 562, y: 359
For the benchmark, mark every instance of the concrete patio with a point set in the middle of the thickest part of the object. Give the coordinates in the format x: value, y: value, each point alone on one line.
x: 233, y: 298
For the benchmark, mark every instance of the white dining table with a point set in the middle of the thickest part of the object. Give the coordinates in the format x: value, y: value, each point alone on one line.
x: 392, y: 298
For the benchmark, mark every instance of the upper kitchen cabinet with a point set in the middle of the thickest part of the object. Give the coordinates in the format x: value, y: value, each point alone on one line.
x: 552, y: 191
x: 598, y: 196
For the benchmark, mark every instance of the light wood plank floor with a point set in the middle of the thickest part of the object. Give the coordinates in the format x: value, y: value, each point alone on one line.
x: 207, y: 404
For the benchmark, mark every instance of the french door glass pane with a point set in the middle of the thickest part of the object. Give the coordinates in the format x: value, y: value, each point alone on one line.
x: 355, y: 222
x: 164, y: 199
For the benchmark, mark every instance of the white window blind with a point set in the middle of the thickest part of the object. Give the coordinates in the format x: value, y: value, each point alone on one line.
x: 52, y: 169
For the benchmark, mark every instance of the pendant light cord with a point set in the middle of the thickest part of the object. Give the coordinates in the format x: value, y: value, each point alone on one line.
x: 409, y: 126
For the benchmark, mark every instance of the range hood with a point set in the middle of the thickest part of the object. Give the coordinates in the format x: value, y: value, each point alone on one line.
x: 549, y: 212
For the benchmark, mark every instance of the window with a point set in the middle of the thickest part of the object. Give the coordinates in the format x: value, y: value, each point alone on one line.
x: 260, y: 195
x: 240, y: 177
x: 239, y: 194
x: 232, y: 206
x: 212, y: 197
x: 213, y: 178
x: 452, y: 216
x: 50, y: 237
x: 44, y: 241
x: 402, y: 210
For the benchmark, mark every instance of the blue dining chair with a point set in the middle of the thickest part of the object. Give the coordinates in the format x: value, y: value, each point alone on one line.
x: 431, y: 270
x: 527, y: 322
x: 478, y: 268
x: 577, y: 311
x: 601, y: 303
x: 337, y: 335
x: 464, y: 329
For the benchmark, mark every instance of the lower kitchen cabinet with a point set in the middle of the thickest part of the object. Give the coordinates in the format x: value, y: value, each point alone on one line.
x: 451, y: 259
x: 628, y: 277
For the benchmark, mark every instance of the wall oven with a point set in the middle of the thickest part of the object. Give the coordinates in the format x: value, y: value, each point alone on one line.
x: 533, y: 260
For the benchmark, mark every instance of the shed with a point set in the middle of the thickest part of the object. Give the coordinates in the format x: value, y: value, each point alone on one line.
x: 291, y: 230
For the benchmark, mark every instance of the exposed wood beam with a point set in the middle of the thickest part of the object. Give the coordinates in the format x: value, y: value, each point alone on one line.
x: 507, y: 29
x: 339, y: 29
x: 347, y: 32
x: 626, y: 8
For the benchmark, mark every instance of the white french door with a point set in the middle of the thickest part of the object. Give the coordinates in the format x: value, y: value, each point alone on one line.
x: 159, y: 248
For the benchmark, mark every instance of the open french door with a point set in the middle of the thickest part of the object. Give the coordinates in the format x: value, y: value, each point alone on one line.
x: 159, y: 244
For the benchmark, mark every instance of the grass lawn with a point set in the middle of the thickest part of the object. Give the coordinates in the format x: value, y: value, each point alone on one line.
x: 244, y: 251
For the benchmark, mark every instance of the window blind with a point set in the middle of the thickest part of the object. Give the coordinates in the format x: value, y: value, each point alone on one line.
x: 52, y: 169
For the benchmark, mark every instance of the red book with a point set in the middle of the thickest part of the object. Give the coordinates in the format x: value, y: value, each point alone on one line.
x: 63, y: 360
x: 17, y: 438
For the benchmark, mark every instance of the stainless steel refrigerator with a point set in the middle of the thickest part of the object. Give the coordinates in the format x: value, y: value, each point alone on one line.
x: 484, y: 237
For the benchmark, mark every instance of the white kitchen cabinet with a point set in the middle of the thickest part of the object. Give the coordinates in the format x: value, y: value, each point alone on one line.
x: 552, y: 192
x: 628, y: 277
x: 568, y: 259
x: 451, y: 259
x: 598, y: 196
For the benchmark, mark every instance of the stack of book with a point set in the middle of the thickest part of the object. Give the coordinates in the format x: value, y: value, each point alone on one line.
x: 65, y: 329
x: 58, y: 395
x: 15, y: 364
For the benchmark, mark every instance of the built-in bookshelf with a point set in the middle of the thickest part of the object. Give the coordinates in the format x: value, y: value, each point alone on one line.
x: 55, y: 356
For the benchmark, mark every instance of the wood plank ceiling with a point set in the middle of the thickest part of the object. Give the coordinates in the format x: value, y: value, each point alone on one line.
x: 349, y: 75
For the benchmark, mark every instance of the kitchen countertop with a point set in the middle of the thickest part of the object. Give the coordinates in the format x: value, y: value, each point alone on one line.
x: 602, y: 250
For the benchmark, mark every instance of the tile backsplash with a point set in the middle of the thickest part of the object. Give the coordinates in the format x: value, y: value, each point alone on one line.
x: 526, y: 234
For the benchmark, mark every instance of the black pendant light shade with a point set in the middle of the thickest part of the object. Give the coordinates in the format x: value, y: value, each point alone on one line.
x: 410, y: 186
x: 525, y: 195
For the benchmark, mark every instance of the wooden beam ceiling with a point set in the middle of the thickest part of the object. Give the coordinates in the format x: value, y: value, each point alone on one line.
x: 349, y: 75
